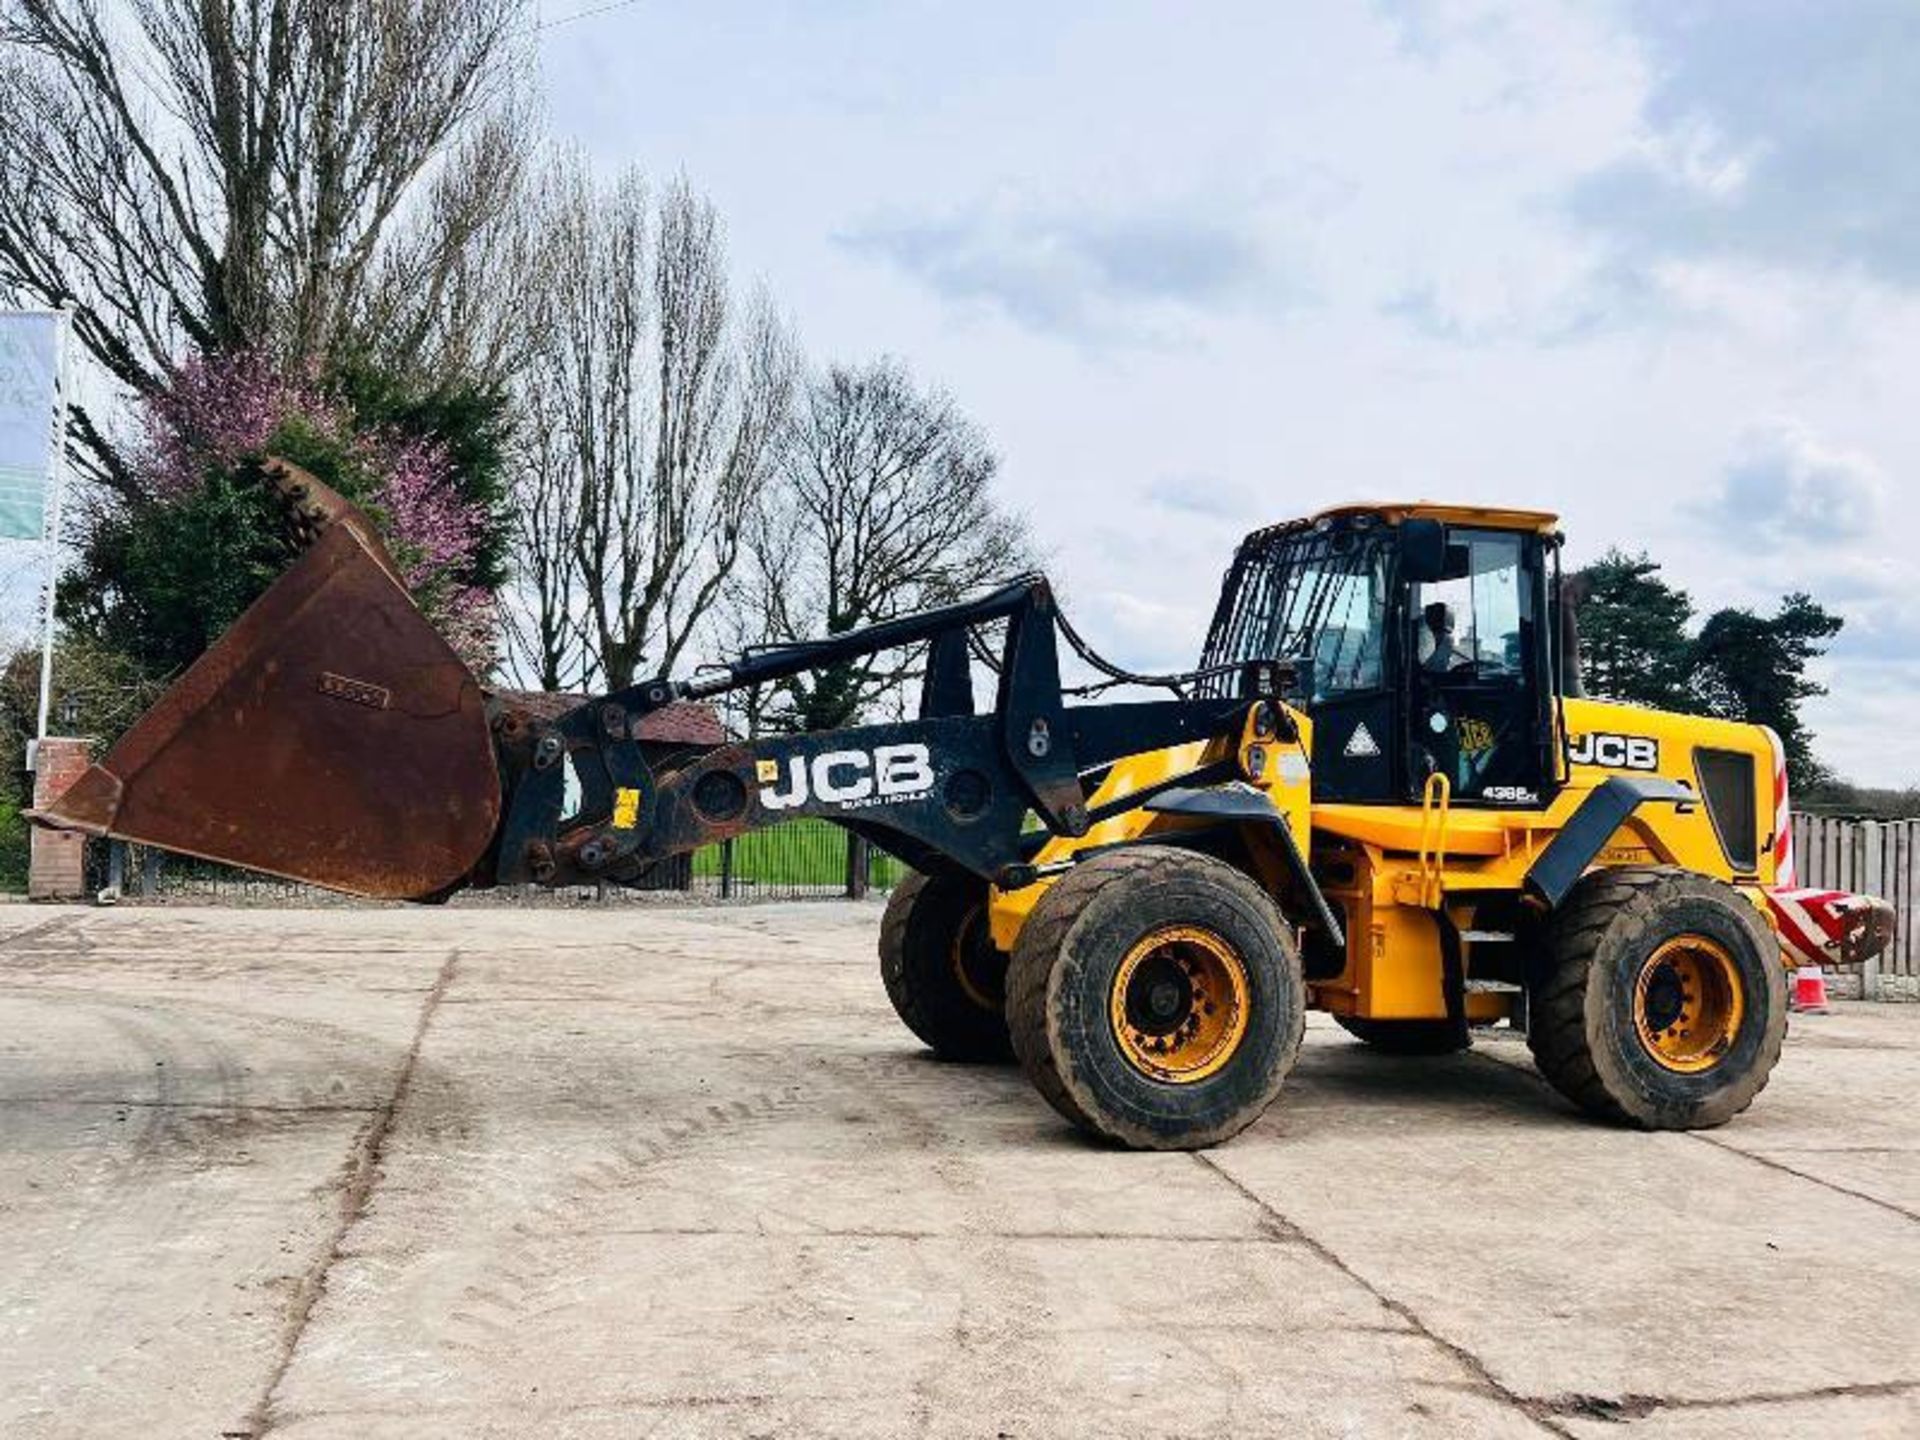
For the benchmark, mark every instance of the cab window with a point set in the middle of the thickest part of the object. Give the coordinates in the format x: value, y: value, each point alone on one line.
x: 1348, y: 650
x: 1474, y: 705
x: 1320, y: 596
x: 1473, y: 620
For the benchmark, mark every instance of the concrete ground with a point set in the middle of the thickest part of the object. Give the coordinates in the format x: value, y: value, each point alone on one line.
x: 372, y: 1173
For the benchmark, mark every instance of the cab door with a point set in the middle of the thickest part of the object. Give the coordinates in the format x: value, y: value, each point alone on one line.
x: 1476, y: 668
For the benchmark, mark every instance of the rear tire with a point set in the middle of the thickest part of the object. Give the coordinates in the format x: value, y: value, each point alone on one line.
x: 1662, y: 1001
x: 944, y: 977
x: 1405, y: 1037
x: 1155, y: 998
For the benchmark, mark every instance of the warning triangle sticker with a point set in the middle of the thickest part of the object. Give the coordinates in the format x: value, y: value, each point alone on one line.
x: 1360, y: 744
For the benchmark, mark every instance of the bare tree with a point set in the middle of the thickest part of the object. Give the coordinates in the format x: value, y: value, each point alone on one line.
x: 438, y: 300
x: 300, y: 173
x: 543, y: 610
x: 886, y: 507
x: 649, y: 409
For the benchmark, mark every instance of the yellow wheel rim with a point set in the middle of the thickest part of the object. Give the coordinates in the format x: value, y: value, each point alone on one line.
x: 1688, y: 1004
x: 964, y: 956
x: 1180, y: 1002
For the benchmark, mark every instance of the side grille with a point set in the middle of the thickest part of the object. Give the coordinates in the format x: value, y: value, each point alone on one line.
x: 1727, y: 783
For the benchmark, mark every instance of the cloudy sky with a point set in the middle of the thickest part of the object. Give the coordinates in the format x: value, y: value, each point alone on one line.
x: 1201, y: 267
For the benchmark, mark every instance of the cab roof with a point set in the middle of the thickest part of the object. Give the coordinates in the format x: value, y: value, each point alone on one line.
x: 1490, y: 516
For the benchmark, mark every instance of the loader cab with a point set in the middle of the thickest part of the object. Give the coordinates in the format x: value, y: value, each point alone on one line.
x: 1421, y: 639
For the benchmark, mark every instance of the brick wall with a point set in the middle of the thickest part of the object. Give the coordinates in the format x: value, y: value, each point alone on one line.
x: 57, y: 870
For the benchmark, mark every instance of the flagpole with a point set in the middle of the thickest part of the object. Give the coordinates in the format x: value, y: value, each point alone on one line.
x: 57, y: 479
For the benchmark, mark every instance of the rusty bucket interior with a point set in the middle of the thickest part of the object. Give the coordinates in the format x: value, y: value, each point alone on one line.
x: 331, y: 736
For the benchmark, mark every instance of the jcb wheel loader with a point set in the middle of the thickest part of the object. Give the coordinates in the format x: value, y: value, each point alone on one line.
x: 1380, y: 794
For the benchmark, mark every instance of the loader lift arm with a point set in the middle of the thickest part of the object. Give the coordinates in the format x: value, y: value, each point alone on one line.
x: 949, y: 790
x: 333, y: 737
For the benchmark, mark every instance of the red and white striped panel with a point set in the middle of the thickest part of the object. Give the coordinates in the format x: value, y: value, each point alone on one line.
x: 1813, y: 923
x: 1783, y: 867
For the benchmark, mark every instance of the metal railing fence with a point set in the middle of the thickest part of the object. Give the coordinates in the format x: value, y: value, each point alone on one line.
x: 801, y: 860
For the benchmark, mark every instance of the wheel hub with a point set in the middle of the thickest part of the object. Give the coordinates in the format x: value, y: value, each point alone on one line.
x: 1180, y: 1004
x: 1160, y: 997
x: 980, y: 969
x: 1688, y: 1004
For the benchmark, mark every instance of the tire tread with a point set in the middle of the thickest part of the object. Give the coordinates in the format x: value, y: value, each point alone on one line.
x: 951, y: 1036
x: 1557, y: 1032
x: 1046, y: 930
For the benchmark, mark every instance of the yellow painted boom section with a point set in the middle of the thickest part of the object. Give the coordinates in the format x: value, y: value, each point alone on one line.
x: 1280, y: 768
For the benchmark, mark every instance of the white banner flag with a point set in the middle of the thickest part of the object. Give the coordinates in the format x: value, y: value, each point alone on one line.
x: 29, y: 393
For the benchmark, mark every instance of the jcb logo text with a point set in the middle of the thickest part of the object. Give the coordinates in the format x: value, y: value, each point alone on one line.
x: 1616, y: 752
x: 849, y: 778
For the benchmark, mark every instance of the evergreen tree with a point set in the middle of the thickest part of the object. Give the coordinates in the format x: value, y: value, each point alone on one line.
x: 1752, y: 668
x: 1633, y: 632
x: 470, y: 421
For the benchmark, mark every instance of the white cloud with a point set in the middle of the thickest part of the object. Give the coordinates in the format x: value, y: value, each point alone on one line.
x: 1786, y: 487
x: 1696, y: 156
x: 1780, y: 131
x: 1114, y: 274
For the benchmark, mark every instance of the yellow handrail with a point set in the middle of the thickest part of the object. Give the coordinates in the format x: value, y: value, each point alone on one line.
x: 1436, y: 809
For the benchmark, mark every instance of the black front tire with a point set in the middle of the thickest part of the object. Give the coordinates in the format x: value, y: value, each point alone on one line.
x: 1592, y: 1029
x: 944, y: 977
x: 1064, y: 993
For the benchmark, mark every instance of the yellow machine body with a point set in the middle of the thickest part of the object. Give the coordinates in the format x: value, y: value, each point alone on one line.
x: 1394, y: 873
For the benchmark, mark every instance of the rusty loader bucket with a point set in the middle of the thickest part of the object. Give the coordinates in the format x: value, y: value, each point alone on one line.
x: 331, y: 736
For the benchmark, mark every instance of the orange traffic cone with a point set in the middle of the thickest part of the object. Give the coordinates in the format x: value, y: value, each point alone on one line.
x: 1810, y: 990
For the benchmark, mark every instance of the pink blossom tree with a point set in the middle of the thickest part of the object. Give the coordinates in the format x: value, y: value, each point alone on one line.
x: 222, y: 410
